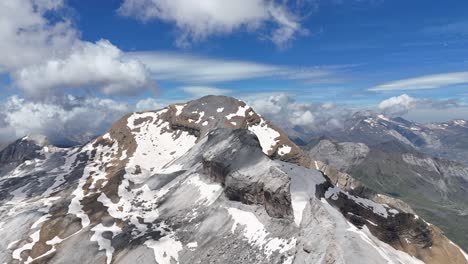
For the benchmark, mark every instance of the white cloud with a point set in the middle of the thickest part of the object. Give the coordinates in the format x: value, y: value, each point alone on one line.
x: 398, y: 104
x: 149, y: 104
x: 402, y: 104
x: 26, y: 35
x: 61, y: 120
x: 287, y: 113
x: 197, y: 20
x: 97, y: 65
x: 424, y: 82
x: 199, y: 91
x: 43, y: 56
x: 202, y: 70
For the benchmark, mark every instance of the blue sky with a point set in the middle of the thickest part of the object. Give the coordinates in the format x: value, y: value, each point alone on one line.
x: 60, y: 55
x: 369, y: 42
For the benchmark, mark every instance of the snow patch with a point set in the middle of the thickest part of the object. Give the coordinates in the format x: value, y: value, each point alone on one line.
x: 192, y: 245
x: 104, y: 243
x: 332, y: 193
x: 209, y: 192
x: 303, y: 184
x: 240, y: 112
x: 284, y: 149
x: 266, y: 135
x: 157, y: 144
x: 179, y: 109
x: 166, y: 249
x: 255, y: 233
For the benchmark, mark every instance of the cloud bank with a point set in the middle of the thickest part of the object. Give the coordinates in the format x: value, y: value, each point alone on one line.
x: 284, y: 111
x: 64, y: 121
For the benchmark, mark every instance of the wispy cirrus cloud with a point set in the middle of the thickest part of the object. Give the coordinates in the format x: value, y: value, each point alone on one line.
x: 459, y: 28
x: 205, y: 70
x: 433, y: 81
x: 199, y: 91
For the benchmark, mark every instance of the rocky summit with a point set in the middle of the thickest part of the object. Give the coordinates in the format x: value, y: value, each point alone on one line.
x: 208, y: 181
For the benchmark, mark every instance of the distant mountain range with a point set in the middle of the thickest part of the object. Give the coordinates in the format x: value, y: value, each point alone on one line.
x: 447, y: 140
x: 425, y: 165
x: 207, y: 181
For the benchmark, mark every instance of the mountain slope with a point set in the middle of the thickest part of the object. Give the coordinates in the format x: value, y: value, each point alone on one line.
x: 207, y: 181
x: 443, y: 140
x: 437, y: 189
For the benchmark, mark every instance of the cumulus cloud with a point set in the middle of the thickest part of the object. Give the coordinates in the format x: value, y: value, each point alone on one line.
x: 197, y: 20
x: 27, y: 37
x: 44, y: 56
x: 402, y: 104
x: 288, y: 113
x: 398, y: 105
x: 149, y: 104
x: 98, y: 65
x: 62, y: 120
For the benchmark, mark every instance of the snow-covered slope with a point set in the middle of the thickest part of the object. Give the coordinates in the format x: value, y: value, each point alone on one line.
x: 209, y: 181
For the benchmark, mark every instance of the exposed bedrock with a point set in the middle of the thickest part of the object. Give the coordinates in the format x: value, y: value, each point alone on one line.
x: 230, y: 166
x: 396, y: 228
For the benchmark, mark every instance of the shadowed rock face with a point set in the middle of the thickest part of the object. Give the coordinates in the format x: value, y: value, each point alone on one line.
x: 179, y: 186
x: 18, y: 152
x: 266, y: 187
x: 391, y: 228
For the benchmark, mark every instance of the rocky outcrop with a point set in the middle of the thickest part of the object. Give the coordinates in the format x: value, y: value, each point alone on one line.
x: 434, y: 188
x: 14, y: 154
x: 341, y: 154
x: 392, y: 221
x: 20, y: 151
x: 265, y: 186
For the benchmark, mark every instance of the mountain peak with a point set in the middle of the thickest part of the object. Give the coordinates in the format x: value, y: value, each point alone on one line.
x: 198, y: 117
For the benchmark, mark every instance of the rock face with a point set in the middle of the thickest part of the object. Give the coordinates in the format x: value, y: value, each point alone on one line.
x: 342, y: 155
x: 21, y: 150
x: 198, y: 183
x: 266, y: 186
